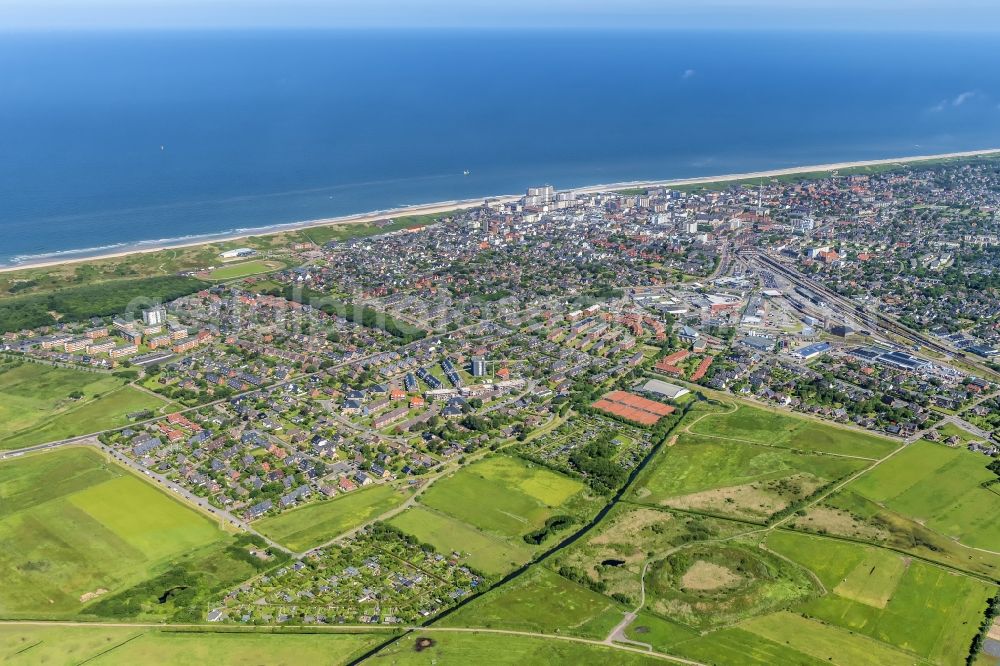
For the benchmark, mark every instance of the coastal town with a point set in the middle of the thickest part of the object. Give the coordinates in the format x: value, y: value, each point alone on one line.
x: 566, y: 336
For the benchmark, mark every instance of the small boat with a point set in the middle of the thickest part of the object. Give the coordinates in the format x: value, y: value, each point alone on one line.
x: 466, y: 172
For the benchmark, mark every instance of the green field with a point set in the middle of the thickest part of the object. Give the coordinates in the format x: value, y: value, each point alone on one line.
x: 886, y: 596
x: 245, y: 268
x: 31, y: 392
x: 772, y: 428
x: 464, y: 648
x: 736, y: 646
x: 317, y: 523
x: 76, y: 523
x: 733, y: 478
x: 35, y: 403
x: 660, y: 633
x: 484, y: 552
x: 778, y: 638
x: 850, y: 514
x: 507, y: 496
x: 939, y: 487
x: 541, y: 601
x: 112, y: 646
x: 832, y: 645
x: 106, y: 412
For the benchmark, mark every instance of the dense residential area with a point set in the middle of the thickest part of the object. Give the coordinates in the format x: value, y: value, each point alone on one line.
x: 672, y: 418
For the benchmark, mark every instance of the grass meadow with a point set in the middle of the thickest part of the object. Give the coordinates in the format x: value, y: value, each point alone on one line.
x: 541, y: 601
x: 857, y: 516
x: 35, y: 406
x: 614, y: 553
x: 464, y: 648
x: 76, y: 523
x: 314, y: 524
x: 114, y: 646
x: 484, y: 552
x: 909, y: 604
x: 506, y: 496
x: 775, y: 429
x: 940, y: 488
x: 735, y: 478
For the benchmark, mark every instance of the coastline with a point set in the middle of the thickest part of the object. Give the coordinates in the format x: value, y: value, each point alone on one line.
x: 464, y: 204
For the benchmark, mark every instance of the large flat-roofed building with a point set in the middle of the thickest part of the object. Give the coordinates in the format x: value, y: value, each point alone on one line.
x: 669, y: 391
x: 154, y: 316
x: 812, y: 351
x: 238, y: 252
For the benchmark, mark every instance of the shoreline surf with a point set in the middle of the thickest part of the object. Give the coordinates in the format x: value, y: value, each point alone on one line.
x: 60, y: 257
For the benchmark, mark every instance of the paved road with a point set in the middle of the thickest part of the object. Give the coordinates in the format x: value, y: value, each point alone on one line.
x: 965, y: 425
x: 617, y: 634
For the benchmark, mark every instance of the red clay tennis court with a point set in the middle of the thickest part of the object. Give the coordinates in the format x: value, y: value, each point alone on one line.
x: 632, y: 407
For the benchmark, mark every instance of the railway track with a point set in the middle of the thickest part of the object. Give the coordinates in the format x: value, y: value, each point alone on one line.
x: 877, y: 321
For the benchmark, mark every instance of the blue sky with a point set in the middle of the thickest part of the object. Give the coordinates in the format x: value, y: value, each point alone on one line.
x: 920, y: 15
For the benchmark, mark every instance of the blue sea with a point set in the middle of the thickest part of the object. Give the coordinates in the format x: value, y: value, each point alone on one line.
x: 111, y: 139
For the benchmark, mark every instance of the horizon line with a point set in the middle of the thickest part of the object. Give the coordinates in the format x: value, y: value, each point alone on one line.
x: 364, y: 27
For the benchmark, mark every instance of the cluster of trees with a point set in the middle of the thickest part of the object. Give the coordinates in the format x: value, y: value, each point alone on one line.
x: 992, y: 611
x: 552, y: 525
x: 821, y: 391
x: 579, y: 576
x: 595, y: 460
x: 96, y: 300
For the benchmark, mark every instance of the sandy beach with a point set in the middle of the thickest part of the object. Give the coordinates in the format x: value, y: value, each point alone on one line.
x: 445, y: 206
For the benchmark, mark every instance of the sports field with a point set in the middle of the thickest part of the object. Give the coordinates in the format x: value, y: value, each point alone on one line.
x: 543, y: 602
x: 36, y: 407
x: 506, y: 496
x: 317, y: 523
x: 111, y: 646
x: 775, y: 429
x: 939, y: 487
x: 884, y: 596
x: 75, y: 524
x: 464, y: 648
x: 245, y: 268
x: 735, y: 478
x: 484, y: 552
